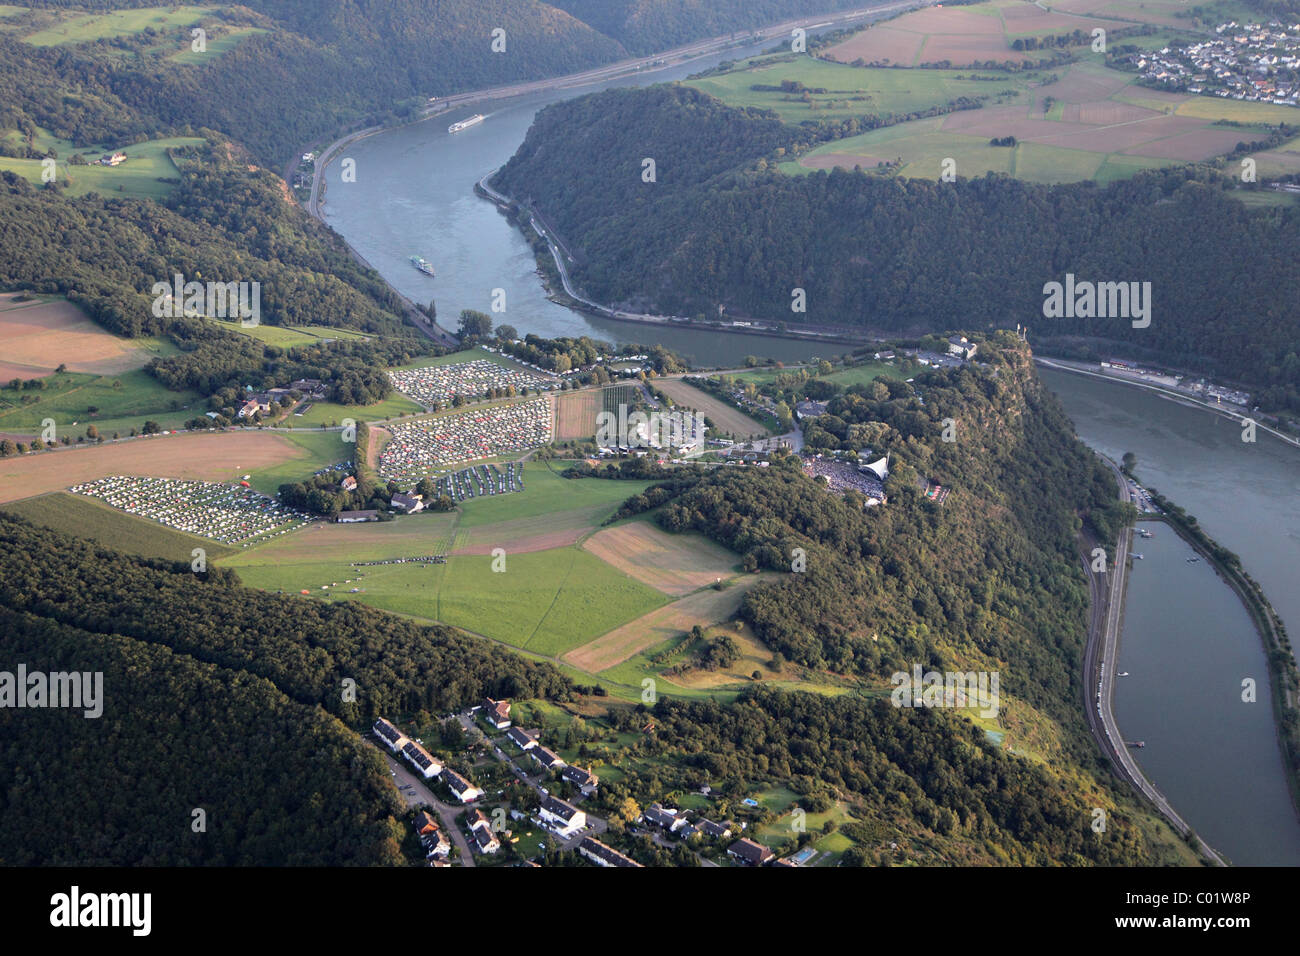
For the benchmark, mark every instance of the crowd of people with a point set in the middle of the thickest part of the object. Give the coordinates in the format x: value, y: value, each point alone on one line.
x: 841, y: 476
x: 230, y: 514
x: 418, y: 448
x: 436, y: 385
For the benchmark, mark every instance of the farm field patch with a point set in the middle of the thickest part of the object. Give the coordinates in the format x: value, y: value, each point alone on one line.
x: 288, y: 336
x: 328, y: 542
x: 863, y: 374
x: 546, y: 493
x: 575, y: 414
x: 214, y: 456
x: 963, y: 36
x: 545, y: 602
x: 1099, y: 126
x: 138, y: 177
x: 675, y: 564
x: 42, y: 333
x: 704, y: 608
x: 117, y: 402
x: 331, y: 413
x: 96, y: 26
x: 224, y: 42
x: 536, y: 533
x: 851, y: 91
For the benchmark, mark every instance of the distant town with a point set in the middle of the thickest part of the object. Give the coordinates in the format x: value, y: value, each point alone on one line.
x: 1253, y: 62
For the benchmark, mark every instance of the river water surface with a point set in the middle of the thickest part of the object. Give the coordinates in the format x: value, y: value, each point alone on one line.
x: 1188, y: 642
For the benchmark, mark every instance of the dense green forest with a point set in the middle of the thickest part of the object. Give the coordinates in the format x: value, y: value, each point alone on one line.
x: 306, y: 648
x: 224, y: 223
x: 279, y: 782
x: 719, y: 227
x: 215, y: 697
x: 989, y: 580
x: 237, y: 700
x: 321, y: 65
x: 325, y: 64
x: 644, y: 26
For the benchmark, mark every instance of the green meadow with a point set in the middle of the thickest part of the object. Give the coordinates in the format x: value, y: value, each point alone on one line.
x: 288, y: 336
x: 319, y: 449
x: 546, y: 602
x: 98, y: 26
x: 546, y: 493
x: 122, y: 402
x: 455, y: 358
x: 853, y: 91
x: 139, y: 177
x: 331, y: 413
x: 222, y: 42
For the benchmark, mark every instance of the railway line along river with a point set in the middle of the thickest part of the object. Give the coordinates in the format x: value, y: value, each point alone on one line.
x: 1187, y: 641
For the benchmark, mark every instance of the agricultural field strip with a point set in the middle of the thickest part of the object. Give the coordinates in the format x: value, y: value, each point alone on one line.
x: 214, y: 456
x: 726, y: 418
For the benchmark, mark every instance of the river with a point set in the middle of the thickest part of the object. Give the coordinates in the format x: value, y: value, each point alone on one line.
x: 1188, y: 642
x: 413, y: 195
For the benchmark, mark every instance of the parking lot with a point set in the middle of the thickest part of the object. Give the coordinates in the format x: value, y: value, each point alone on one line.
x: 231, y: 514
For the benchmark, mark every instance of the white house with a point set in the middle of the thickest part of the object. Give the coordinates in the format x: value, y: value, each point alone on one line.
x: 521, y: 739
x: 548, y: 758
x: 465, y: 791
x: 603, y: 855
x: 496, y: 712
x: 564, y: 818
x: 390, y: 735
x: 424, y: 762
x: 584, y: 780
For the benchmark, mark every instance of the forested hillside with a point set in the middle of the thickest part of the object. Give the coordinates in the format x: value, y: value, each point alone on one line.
x: 990, y: 579
x: 721, y: 228
x: 304, y: 647
x: 279, y: 782
x: 225, y: 222
x: 318, y: 66
x: 644, y: 26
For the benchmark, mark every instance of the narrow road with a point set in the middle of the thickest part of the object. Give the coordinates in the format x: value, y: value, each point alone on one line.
x: 417, y: 794
x: 1101, y: 657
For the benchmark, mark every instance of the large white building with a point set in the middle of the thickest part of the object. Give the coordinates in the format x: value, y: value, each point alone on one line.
x: 393, y: 738
x: 465, y: 791
x: 423, y: 761
x: 564, y: 818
